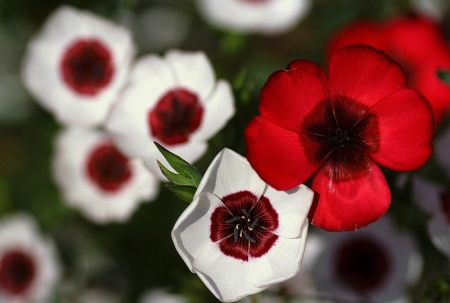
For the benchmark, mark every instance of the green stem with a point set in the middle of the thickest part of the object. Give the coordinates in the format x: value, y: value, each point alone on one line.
x: 255, y: 298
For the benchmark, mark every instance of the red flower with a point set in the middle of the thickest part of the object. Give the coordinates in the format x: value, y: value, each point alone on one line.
x: 417, y: 44
x: 338, y: 129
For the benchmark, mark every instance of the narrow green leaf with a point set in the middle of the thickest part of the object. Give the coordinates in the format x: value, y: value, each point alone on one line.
x: 174, y: 160
x: 193, y: 173
x: 239, y: 81
x: 444, y: 75
x: 175, y: 178
x: 184, y: 192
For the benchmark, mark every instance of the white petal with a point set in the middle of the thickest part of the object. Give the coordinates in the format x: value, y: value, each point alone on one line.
x: 72, y: 149
x: 439, y: 230
x: 41, y: 65
x: 150, y: 80
x: 229, y: 173
x: 281, y: 262
x: 227, y: 278
x: 191, y: 233
x: 192, y: 71
x: 219, y: 108
x: 292, y: 208
x: 160, y: 296
x: 426, y: 194
x: 269, y: 17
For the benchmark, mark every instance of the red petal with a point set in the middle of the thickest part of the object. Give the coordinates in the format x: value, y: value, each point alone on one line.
x: 351, y: 204
x: 361, y: 32
x: 289, y: 95
x: 364, y: 74
x: 406, y: 130
x: 277, y: 154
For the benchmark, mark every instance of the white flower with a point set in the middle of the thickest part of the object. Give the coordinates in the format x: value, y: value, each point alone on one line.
x: 173, y: 100
x: 239, y: 234
x: 373, y: 264
x: 433, y: 8
x: 29, y: 268
x: 161, y: 296
x: 97, y: 179
x: 76, y: 65
x: 254, y: 16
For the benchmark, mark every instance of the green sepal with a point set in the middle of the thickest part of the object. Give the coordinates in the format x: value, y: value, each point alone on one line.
x: 183, y: 192
x: 187, y: 174
x: 444, y: 75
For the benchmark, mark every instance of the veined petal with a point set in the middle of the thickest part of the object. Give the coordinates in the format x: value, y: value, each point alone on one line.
x: 230, y: 173
x: 192, y: 71
x: 226, y: 277
x: 292, y: 208
x: 351, y: 204
x: 281, y: 262
x: 277, y: 154
x: 362, y: 73
x: 219, y: 108
x: 191, y: 233
x: 290, y: 95
x: 406, y: 129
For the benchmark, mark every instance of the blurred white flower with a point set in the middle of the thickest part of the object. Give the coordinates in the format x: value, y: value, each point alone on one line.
x: 76, y: 65
x: 29, y: 268
x: 373, y: 264
x: 97, y: 178
x: 254, y: 16
x: 239, y: 234
x: 432, y: 8
x: 161, y: 296
x: 173, y: 100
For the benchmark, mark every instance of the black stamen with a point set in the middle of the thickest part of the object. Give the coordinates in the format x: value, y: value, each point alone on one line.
x: 235, y: 219
x: 249, y: 238
x: 252, y: 226
x: 236, y: 234
x: 246, y: 213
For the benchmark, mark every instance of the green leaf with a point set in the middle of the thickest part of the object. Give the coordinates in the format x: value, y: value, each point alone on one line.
x: 175, y: 178
x: 444, y: 75
x: 183, y: 192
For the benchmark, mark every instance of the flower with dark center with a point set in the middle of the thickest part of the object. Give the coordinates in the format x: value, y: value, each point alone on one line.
x: 96, y: 178
x: 267, y: 17
x: 175, y: 117
x: 17, y: 271
x: 417, y: 43
x: 76, y: 65
x: 87, y: 66
x: 338, y: 129
x: 239, y: 234
x: 29, y: 269
x: 174, y: 100
x: 375, y: 264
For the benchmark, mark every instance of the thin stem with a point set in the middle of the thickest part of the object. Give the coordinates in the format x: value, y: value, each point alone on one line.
x: 255, y: 298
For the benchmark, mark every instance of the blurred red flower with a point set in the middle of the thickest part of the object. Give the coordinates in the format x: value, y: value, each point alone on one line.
x: 338, y: 128
x: 417, y: 43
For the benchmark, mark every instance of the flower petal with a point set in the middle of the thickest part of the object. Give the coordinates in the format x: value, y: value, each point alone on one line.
x: 292, y: 208
x: 219, y: 108
x: 351, y: 204
x: 230, y: 173
x: 226, y: 277
x: 191, y: 233
x: 426, y: 194
x: 406, y: 129
x: 192, y: 71
x: 281, y: 262
x: 364, y: 74
x: 289, y: 95
x: 439, y: 231
x: 277, y: 154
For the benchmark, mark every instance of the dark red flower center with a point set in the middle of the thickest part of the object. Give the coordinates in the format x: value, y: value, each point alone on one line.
x: 175, y: 117
x: 87, y: 66
x: 108, y: 168
x: 445, y: 205
x: 17, y: 271
x: 341, y: 132
x: 245, y: 225
x: 363, y: 264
